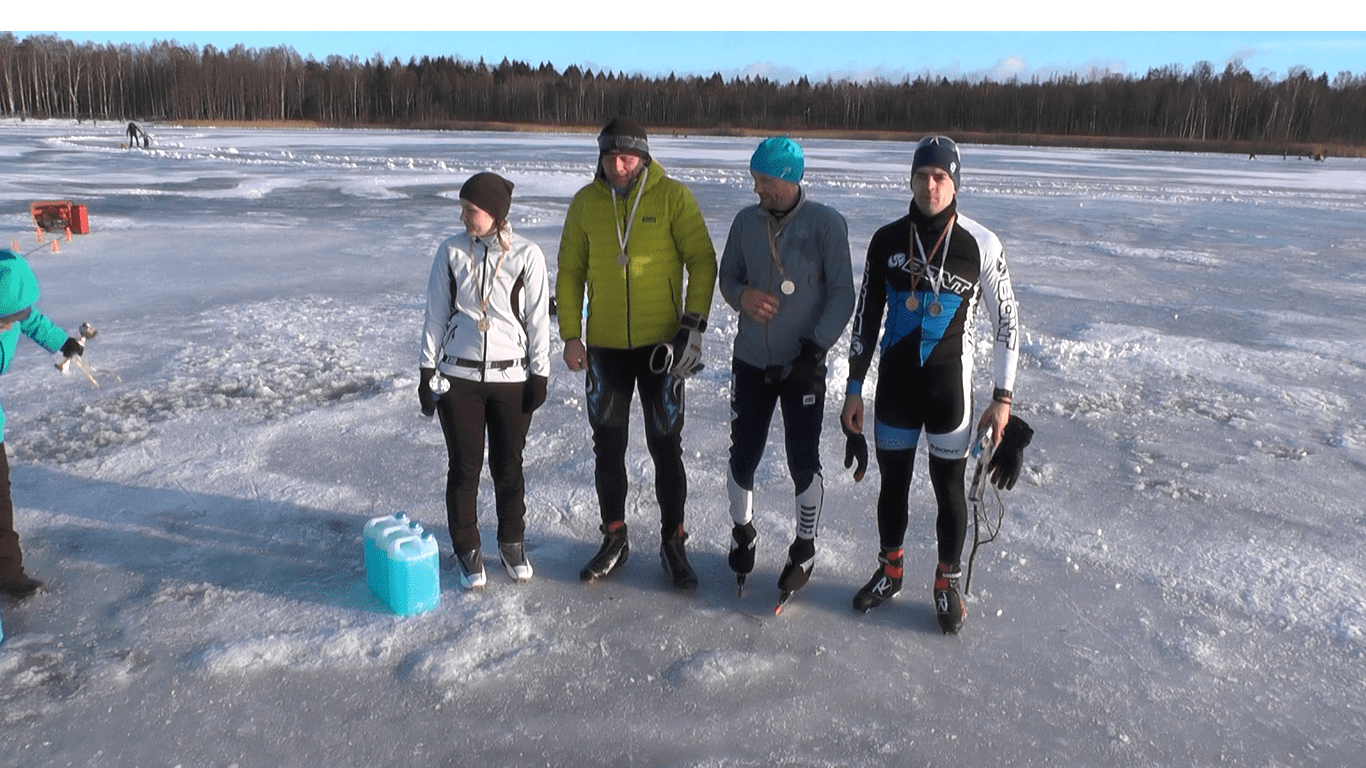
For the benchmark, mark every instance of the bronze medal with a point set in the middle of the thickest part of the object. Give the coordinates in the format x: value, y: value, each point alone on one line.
x: 935, y: 309
x: 484, y: 325
x: 912, y: 303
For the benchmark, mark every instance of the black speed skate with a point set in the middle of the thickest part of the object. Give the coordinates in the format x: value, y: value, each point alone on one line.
x: 801, y: 559
x: 613, y: 553
x: 741, y: 557
x: 675, y: 560
x: 948, y: 603
x: 885, y: 584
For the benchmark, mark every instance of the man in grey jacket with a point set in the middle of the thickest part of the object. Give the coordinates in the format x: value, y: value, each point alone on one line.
x: 786, y: 269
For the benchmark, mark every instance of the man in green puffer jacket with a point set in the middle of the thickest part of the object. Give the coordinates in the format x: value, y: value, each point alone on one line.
x: 628, y: 239
x: 18, y: 292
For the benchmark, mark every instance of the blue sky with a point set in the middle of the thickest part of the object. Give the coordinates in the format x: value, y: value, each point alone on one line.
x: 740, y: 38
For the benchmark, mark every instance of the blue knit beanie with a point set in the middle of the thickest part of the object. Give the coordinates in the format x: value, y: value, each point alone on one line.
x: 18, y: 286
x: 779, y: 157
x: 939, y: 152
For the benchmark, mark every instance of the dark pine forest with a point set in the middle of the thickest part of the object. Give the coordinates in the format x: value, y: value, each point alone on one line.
x: 1168, y: 107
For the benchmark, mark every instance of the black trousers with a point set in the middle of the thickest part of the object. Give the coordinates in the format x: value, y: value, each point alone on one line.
x: 612, y: 376
x: 467, y: 412
x: 11, y: 559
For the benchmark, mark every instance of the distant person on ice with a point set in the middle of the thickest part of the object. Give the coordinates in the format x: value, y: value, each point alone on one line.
x: 786, y: 269
x: 484, y: 367
x: 18, y: 292
x: 133, y: 132
x: 628, y: 238
x: 928, y: 270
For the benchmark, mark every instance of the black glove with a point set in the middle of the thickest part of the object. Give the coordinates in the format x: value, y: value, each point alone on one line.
x: 807, y: 372
x: 72, y: 348
x: 1008, y: 457
x: 855, y: 448
x: 681, y: 357
x: 533, y: 394
x: 425, y: 396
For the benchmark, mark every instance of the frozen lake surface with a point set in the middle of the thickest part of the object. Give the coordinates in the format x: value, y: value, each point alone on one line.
x: 1178, y: 580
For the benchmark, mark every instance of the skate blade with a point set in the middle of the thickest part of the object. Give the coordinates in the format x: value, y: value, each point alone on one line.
x: 782, y: 602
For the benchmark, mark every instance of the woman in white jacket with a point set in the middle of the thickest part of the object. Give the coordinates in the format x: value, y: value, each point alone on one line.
x: 484, y: 367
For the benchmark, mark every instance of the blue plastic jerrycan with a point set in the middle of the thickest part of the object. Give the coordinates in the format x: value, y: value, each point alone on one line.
x: 414, y: 577
x: 378, y: 532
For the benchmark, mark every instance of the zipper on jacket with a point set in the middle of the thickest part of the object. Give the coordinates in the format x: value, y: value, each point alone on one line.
x: 484, y: 335
x: 630, y: 344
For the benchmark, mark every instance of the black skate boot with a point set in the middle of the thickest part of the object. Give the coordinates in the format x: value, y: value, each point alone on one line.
x: 885, y: 584
x: 513, y: 555
x: 675, y: 560
x: 948, y: 604
x: 613, y: 553
x: 801, y: 558
x: 471, y: 569
x: 742, y: 552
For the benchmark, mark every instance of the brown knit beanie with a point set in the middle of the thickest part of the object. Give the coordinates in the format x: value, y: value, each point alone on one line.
x: 489, y: 191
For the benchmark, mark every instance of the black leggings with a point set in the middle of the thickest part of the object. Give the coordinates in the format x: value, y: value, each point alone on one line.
x: 752, y: 400
x: 612, y: 375
x: 946, y: 477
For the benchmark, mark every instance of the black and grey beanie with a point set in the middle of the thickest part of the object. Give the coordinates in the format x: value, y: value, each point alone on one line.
x: 622, y: 135
x: 489, y: 191
x: 939, y: 152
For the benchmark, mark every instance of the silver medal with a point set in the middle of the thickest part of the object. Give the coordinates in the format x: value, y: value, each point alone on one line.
x: 623, y: 260
x: 935, y: 309
x: 911, y: 303
x: 788, y: 287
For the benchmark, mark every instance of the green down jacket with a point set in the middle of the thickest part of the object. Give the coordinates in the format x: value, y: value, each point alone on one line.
x: 638, y: 304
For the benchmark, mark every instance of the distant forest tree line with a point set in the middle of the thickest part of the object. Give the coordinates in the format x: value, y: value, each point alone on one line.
x: 46, y: 76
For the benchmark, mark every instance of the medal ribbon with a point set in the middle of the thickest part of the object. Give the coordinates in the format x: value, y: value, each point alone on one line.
x: 624, y: 236
x: 488, y: 292
x: 773, y: 235
x: 936, y: 282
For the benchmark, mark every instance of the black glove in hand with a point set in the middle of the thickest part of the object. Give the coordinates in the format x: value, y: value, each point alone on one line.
x: 1008, y: 457
x: 426, y: 399
x: 681, y: 357
x: 688, y: 345
x: 855, y: 449
x: 533, y: 394
x: 807, y: 372
x: 72, y: 347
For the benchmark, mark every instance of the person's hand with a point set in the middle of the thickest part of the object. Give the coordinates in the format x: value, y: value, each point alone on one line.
x: 851, y: 416
x: 575, y: 356
x: 855, y: 444
x: 1008, y: 458
x: 807, y: 372
x: 426, y: 399
x: 757, y: 305
x: 533, y: 394
x: 995, y: 416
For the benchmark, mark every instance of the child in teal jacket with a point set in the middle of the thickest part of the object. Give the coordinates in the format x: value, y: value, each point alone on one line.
x: 18, y: 292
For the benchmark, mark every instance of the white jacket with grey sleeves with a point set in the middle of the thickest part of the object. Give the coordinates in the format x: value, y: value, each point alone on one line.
x: 488, y: 315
